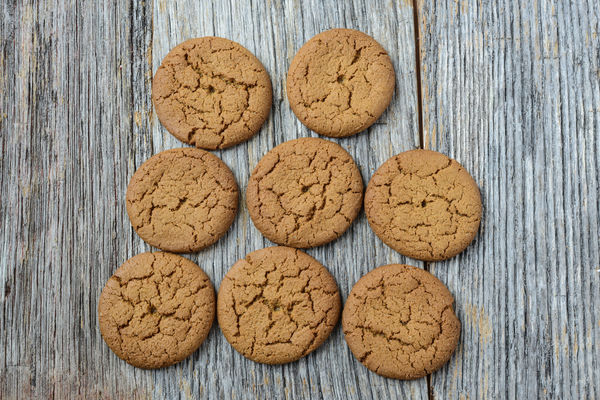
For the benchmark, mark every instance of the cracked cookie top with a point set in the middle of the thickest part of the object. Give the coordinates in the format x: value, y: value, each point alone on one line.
x: 399, y: 322
x: 304, y: 192
x: 156, y: 309
x: 423, y: 205
x: 277, y: 305
x: 212, y: 93
x: 340, y: 82
x: 182, y: 200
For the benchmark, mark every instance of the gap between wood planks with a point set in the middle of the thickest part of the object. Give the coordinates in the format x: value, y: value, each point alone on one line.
x: 418, y: 74
x: 420, y: 124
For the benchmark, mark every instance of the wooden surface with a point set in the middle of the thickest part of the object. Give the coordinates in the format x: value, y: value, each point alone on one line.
x: 511, y: 91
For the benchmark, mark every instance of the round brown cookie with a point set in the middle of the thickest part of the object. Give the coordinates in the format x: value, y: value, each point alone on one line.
x: 399, y: 322
x: 211, y: 92
x: 304, y: 193
x: 423, y: 205
x: 182, y: 200
x: 156, y: 309
x: 340, y: 82
x: 277, y: 305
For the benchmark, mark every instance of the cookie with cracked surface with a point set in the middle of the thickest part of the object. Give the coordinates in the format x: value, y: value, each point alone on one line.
x: 277, y: 305
x: 156, y: 309
x: 212, y: 93
x: 340, y: 82
x: 182, y: 200
x: 399, y: 322
x: 304, y: 192
x: 423, y: 205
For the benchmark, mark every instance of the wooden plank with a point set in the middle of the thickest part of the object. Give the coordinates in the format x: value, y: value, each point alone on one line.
x: 70, y: 83
x: 75, y: 122
x: 512, y: 92
x: 274, y: 31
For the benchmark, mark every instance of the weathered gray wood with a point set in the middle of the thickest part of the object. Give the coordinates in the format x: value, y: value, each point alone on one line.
x: 76, y: 121
x: 70, y: 83
x: 512, y: 92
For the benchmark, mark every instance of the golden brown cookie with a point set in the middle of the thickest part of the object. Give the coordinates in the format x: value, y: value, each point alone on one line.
x: 423, y: 205
x: 304, y: 193
x: 277, y: 305
x: 211, y: 92
x: 182, y: 200
x: 340, y: 82
x: 156, y: 309
x: 399, y: 322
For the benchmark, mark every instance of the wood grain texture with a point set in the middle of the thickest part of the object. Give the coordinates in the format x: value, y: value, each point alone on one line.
x: 72, y: 77
x: 76, y: 121
x: 511, y: 90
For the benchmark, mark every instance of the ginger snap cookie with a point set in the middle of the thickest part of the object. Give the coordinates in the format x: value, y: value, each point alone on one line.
x: 423, y: 205
x: 156, y: 309
x: 182, y: 200
x: 340, y: 82
x: 212, y: 93
x: 304, y: 192
x: 277, y: 305
x: 399, y: 322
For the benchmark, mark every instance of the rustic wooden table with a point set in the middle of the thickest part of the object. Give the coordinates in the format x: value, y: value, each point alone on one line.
x: 510, y: 90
